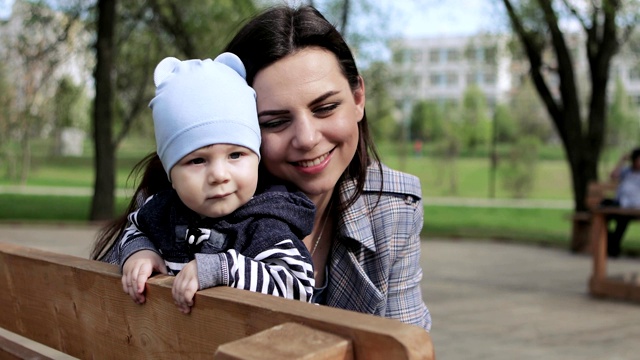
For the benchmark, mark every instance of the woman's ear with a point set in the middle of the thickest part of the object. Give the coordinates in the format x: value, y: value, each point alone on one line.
x: 359, y: 98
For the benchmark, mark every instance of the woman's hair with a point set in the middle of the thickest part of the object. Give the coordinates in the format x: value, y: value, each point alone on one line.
x: 266, y: 38
x: 152, y: 179
x: 281, y: 31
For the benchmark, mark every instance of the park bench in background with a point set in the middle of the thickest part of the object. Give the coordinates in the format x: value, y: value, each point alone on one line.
x: 625, y: 286
x: 581, y: 231
x: 77, y: 306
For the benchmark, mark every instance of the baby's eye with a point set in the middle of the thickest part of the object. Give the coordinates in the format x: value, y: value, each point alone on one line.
x: 235, y: 155
x: 196, y: 161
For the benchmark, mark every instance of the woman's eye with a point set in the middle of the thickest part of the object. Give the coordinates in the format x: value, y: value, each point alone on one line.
x: 272, y: 124
x: 326, y: 109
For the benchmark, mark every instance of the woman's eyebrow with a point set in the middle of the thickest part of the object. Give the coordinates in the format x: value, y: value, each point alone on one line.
x: 272, y: 112
x: 313, y: 102
x: 322, y: 98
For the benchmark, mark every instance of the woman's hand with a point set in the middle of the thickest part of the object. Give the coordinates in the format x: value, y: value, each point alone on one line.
x: 185, y: 286
x: 137, y: 269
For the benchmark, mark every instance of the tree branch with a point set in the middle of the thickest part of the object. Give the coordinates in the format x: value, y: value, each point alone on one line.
x: 575, y: 13
x: 534, y: 53
x: 345, y: 17
x: 175, y: 26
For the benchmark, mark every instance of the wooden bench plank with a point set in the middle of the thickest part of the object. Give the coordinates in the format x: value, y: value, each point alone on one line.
x: 77, y: 306
x: 12, y: 350
x: 302, y: 343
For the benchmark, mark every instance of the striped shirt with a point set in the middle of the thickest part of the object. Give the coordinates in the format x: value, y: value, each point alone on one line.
x: 258, y: 247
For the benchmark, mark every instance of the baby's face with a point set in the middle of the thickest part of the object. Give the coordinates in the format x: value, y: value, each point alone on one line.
x: 217, y: 179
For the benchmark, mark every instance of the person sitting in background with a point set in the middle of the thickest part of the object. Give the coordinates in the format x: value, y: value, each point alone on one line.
x: 627, y: 175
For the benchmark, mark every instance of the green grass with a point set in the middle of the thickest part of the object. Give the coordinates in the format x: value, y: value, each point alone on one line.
x: 471, y: 177
x: 498, y: 223
x: 550, y: 227
x: 38, y: 208
x: 541, y: 226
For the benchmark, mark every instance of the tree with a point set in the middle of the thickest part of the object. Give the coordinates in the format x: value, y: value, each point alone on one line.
x: 380, y: 105
x: 520, y: 170
x: 103, y: 201
x: 475, y: 118
x: 623, y: 130
x: 529, y: 113
x: 505, y: 127
x: 70, y: 110
x: 581, y: 127
x: 427, y: 121
x: 8, y: 121
x: 35, y: 57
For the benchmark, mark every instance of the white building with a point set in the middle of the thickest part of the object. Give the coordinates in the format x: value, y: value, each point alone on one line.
x: 441, y: 68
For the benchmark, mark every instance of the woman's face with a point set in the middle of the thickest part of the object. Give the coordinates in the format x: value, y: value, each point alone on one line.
x: 308, y: 119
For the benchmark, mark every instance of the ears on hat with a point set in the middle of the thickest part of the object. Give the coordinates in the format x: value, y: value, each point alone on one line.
x: 233, y: 61
x: 168, y: 65
x: 164, y: 69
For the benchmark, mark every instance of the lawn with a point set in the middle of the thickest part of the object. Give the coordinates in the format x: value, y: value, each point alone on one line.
x: 541, y: 226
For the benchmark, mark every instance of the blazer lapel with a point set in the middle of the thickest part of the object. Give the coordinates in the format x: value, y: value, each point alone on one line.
x: 349, y: 287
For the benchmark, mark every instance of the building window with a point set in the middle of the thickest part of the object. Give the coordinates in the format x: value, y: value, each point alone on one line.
x: 634, y: 73
x: 453, y: 55
x: 491, y: 55
x: 489, y: 78
x: 436, y: 79
x: 452, y: 79
x: 474, y: 78
x: 434, y: 55
x: 416, y: 56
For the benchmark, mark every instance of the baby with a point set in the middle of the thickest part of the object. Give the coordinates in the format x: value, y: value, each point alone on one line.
x: 213, y: 228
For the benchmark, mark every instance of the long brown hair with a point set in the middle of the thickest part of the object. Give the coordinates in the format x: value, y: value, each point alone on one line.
x: 151, y: 179
x: 283, y: 30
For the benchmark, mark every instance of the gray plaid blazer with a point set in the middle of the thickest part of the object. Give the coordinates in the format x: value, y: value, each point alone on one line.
x: 374, y: 266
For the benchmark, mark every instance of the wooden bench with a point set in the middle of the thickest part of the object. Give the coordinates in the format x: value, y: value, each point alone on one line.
x: 623, y: 287
x: 77, y: 307
x: 581, y: 221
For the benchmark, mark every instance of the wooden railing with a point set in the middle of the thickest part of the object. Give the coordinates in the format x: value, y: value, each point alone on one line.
x: 77, y: 306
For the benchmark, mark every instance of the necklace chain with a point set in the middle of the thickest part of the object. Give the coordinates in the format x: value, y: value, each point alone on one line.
x: 324, y: 222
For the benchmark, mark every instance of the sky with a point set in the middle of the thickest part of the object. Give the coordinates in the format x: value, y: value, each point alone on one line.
x: 5, y: 8
x: 417, y: 18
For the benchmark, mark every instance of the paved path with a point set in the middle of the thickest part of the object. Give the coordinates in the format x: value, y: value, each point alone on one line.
x: 489, y: 300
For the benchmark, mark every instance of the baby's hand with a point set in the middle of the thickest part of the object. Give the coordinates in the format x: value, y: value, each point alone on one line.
x: 185, y: 286
x: 137, y: 269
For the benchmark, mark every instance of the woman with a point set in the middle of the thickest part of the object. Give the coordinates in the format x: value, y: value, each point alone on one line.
x: 365, y: 243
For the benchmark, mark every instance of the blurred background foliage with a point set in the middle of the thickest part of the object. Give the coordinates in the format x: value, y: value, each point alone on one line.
x: 470, y: 148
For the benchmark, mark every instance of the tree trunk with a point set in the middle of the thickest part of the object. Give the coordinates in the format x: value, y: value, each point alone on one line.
x: 102, y: 207
x: 582, y: 140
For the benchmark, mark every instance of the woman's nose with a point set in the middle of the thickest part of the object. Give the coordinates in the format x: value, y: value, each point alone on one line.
x: 306, y: 134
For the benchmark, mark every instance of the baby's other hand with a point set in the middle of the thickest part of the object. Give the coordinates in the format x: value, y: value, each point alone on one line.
x: 185, y: 286
x: 137, y: 269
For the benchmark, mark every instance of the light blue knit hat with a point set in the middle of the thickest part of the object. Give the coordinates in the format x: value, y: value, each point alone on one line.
x: 200, y: 103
